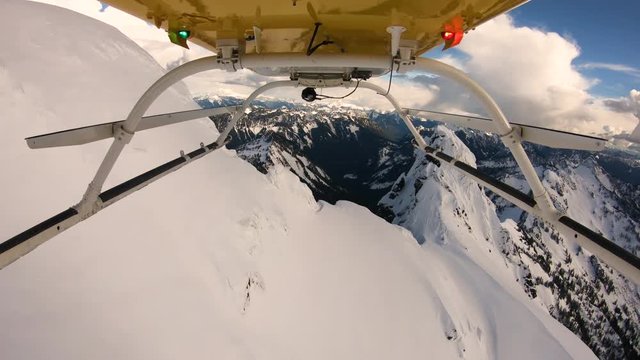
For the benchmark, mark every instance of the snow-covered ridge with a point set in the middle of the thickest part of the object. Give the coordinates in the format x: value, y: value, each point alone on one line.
x: 598, y: 189
x: 217, y: 260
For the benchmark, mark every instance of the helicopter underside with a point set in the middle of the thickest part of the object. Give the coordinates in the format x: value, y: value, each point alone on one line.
x: 295, y: 26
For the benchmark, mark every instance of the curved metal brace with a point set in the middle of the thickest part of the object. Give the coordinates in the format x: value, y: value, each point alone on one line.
x: 90, y: 201
x: 509, y: 138
x: 245, y: 105
x: 396, y: 105
x: 124, y: 134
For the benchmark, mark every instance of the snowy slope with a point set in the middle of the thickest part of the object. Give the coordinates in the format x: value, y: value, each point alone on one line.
x: 442, y: 208
x: 217, y: 260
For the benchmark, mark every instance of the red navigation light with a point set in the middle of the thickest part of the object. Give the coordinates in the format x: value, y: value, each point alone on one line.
x: 453, y: 32
x: 447, y: 35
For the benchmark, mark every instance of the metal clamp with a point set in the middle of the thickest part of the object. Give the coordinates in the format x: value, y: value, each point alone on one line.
x: 228, y: 53
x: 122, y: 135
x: 512, y: 137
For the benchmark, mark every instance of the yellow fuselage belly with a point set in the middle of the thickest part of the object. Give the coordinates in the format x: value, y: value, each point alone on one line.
x: 353, y: 26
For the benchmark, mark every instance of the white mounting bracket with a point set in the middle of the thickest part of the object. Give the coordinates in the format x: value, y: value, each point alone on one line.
x: 512, y: 136
x: 321, y: 83
x: 396, y: 33
x: 228, y: 53
x: 257, y: 38
x: 407, y: 54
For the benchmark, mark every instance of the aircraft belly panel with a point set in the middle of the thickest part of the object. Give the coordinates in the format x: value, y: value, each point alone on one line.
x: 355, y: 26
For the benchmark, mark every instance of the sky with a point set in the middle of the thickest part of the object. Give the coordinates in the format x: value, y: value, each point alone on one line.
x: 605, y: 31
x: 547, y: 63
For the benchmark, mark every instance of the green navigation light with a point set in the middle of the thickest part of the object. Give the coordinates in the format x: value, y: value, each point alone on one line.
x: 184, y: 34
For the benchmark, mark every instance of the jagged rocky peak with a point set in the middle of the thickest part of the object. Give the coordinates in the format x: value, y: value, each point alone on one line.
x: 436, y: 202
x: 445, y: 140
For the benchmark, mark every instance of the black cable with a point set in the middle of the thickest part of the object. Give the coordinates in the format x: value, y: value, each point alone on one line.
x: 313, y: 49
x: 320, y: 97
x: 310, y: 48
x: 390, y: 78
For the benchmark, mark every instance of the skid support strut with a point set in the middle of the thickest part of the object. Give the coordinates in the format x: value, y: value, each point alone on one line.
x: 506, y: 132
x: 123, y: 134
x: 94, y: 200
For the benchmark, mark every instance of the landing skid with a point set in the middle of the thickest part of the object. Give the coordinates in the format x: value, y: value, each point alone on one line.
x: 321, y: 70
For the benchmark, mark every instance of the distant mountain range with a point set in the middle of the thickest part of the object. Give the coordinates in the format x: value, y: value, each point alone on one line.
x: 367, y: 157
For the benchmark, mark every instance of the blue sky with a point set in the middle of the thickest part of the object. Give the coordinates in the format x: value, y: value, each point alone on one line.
x: 606, y: 31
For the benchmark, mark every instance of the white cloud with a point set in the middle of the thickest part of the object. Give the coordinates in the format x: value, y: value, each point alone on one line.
x: 530, y: 73
x: 629, y: 70
x: 449, y: 59
x: 630, y: 104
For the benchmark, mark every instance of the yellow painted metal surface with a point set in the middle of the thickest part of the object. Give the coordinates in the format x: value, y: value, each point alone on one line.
x: 353, y: 26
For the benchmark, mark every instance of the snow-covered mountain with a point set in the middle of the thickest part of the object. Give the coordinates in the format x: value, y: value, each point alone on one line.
x: 587, y: 296
x: 217, y: 260
x: 601, y: 191
x: 367, y: 157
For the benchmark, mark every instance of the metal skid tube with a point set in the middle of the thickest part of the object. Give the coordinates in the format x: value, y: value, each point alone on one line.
x: 91, y: 133
x: 534, y: 134
x: 23, y: 243
x: 617, y: 257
